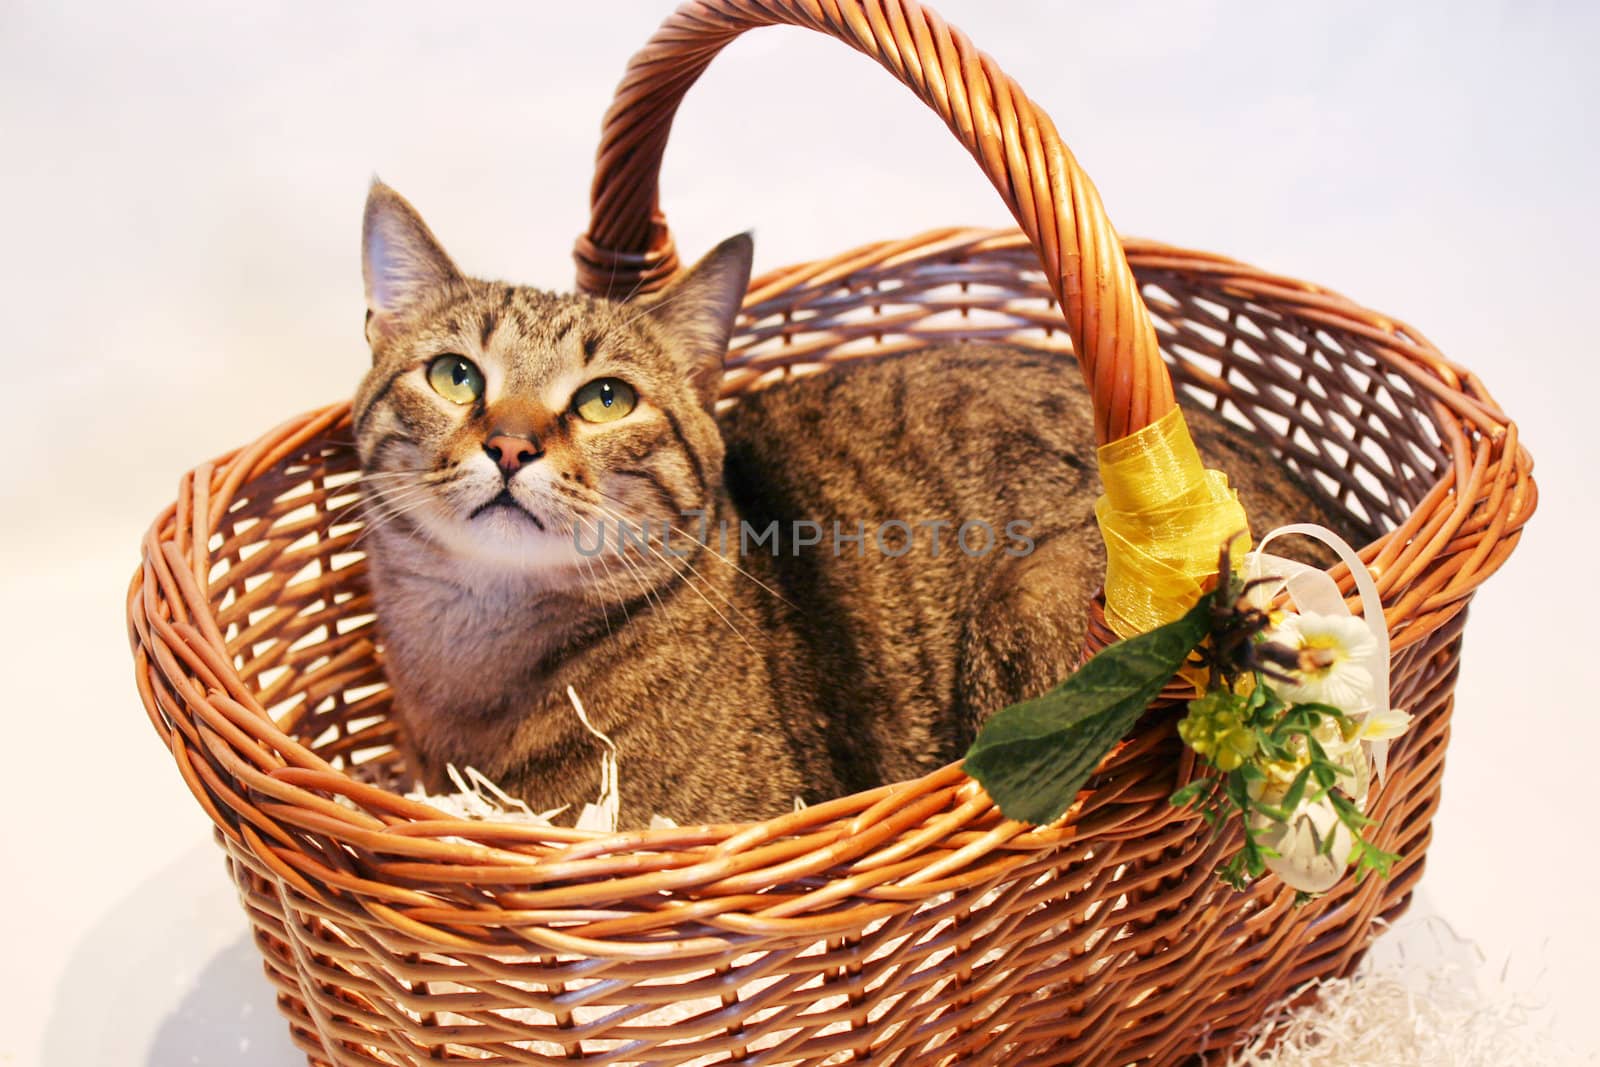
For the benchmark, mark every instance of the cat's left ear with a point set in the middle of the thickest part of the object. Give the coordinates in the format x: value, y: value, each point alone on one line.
x: 402, y: 262
x: 698, y: 311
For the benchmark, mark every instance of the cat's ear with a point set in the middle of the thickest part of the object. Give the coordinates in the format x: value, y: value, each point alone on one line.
x: 401, y: 261
x: 699, y: 309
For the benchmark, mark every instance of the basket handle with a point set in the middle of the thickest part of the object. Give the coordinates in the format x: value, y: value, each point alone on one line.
x: 629, y: 249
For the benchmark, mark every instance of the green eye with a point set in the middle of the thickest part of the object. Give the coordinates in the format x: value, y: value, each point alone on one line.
x: 604, y: 400
x: 456, y: 379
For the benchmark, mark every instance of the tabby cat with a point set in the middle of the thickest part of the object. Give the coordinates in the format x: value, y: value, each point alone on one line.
x: 808, y: 611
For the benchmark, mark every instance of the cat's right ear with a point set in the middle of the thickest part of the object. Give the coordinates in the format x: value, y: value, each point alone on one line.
x: 402, y: 262
x: 700, y: 309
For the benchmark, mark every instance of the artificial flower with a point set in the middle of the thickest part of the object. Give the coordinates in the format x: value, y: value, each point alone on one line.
x: 1215, y: 729
x: 1304, y: 860
x: 1347, y: 752
x: 1384, y: 725
x: 1334, y: 653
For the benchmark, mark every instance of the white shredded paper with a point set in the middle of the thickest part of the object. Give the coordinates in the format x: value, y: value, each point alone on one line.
x: 603, y: 814
x: 477, y: 797
x: 1422, y: 997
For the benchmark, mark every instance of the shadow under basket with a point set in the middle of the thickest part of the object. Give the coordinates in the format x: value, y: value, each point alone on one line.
x: 911, y: 924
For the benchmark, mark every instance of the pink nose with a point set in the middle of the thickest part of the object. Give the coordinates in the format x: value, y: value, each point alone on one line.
x: 510, y: 452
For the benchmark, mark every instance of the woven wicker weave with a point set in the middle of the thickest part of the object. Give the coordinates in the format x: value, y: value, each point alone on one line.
x: 911, y: 924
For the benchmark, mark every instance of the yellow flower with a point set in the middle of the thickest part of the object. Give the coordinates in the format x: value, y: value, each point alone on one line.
x: 1214, y: 727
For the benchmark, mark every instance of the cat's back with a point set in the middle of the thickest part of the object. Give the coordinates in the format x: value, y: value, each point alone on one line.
x: 936, y: 540
x: 986, y: 432
x: 983, y: 433
x: 912, y: 498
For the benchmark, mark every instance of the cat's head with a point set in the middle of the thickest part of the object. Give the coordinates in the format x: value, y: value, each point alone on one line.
x: 502, y: 423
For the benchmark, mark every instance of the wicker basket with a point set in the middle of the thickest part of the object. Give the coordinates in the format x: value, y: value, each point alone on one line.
x: 911, y: 924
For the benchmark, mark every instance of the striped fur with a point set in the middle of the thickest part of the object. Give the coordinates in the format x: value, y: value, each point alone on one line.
x: 731, y: 683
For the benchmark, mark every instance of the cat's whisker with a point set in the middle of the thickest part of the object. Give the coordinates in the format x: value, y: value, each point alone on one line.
x: 362, y: 500
x: 667, y: 561
x: 611, y: 283
x: 592, y: 591
x: 623, y: 601
x: 663, y: 557
x: 386, y: 520
x: 335, y: 518
x: 637, y: 285
x: 639, y: 576
x: 657, y: 306
x: 391, y: 506
x: 380, y: 485
x: 378, y: 476
x: 378, y: 524
x: 643, y: 583
x: 421, y: 476
x: 724, y: 560
x: 369, y: 531
x: 379, y: 509
x: 688, y: 580
x: 386, y: 495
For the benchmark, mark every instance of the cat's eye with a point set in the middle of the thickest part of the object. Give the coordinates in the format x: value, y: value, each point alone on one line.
x: 604, y: 400
x: 456, y: 378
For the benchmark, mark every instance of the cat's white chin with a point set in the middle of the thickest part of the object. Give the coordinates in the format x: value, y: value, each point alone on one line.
x: 507, y: 540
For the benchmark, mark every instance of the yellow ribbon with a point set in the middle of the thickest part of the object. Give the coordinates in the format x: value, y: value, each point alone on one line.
x: 1164, y: 517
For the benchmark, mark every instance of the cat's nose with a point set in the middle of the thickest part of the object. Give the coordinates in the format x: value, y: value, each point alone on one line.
x: 511, y: 452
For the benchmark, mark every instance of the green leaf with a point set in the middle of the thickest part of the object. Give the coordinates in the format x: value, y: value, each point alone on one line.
x: 1349, y: 814
x: 1264, y: 704
x: 1187, y: 795
x: 1033, y: 757
x: 1238, y: 791
x: 1323, y: 709
x: 1297, y: 790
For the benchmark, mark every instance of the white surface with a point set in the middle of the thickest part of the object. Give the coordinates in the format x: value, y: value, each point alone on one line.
x: 182, y: 191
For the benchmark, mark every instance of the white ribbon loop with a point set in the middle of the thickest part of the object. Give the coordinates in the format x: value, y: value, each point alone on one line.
x: 1304, y: 860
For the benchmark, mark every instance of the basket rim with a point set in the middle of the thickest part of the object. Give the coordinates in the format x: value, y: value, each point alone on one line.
x: 877, y: 848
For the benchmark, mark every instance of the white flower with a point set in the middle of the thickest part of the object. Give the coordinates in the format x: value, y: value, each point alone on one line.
x: 1303, y: 861
x: 1334, y: 652
x: 1384, y: 725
